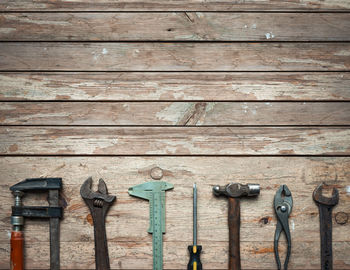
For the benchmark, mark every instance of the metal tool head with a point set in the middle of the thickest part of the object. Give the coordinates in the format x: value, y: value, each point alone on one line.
x: 144, y: 190
x: 32, y: 184
x: 100, y: 198
x: 319, y: 198
x: 236, y: 190
x: 283, y: 201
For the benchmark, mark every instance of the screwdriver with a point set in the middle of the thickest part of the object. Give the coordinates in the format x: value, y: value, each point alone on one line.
x: 195, y: 250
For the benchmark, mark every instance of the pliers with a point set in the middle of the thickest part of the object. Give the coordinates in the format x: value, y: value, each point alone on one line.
x: 283, y: 204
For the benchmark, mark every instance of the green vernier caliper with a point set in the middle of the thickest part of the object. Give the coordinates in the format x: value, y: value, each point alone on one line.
x: 154, y: 192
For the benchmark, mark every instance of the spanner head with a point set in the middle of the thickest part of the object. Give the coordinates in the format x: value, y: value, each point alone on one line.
x: 319, y: 198
x: 101, y: 195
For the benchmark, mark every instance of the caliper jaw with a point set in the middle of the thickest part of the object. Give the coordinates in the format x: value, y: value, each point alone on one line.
x: 147, y: 191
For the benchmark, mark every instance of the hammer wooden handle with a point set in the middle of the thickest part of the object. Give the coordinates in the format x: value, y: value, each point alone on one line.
x: 234, y: 221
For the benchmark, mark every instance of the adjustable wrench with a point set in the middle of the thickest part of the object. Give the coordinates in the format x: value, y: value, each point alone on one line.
x: 99, y: 203
x: 325, y: 206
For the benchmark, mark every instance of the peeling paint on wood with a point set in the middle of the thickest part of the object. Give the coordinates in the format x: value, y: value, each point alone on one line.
x: 175, y: 140
x: 175, y: 5
x: 175, y: 26
x: 175, y: 113
x: 159, y: 56
x: 176, y: 86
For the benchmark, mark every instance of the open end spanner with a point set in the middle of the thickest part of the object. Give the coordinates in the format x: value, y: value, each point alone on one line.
x: 98, y: 203
x: 325, y: 206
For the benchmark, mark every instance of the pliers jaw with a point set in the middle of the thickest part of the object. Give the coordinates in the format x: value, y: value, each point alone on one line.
x: 283, y: 204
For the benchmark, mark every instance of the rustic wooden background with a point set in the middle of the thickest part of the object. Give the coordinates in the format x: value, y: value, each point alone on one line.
x: 208, y: 91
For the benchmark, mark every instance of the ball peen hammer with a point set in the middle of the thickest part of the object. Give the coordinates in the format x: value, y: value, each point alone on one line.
x: 234, y: 191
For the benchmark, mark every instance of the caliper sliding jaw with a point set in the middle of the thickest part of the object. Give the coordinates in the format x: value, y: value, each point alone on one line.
x: 154, y: 192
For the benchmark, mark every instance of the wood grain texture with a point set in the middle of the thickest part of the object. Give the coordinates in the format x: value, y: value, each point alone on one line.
x: 159, y: 56
x: 154, y: 86
x: 139, y: 256
x: 175, y: 5
x: 175, y: 113
x: 132, y: 249
x: 174, y: 141
x: 191, y: 26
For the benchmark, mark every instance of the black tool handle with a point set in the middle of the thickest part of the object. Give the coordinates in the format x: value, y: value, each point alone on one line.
x: 101, y: 247
x: 326, y: 236
x: 195, y: 260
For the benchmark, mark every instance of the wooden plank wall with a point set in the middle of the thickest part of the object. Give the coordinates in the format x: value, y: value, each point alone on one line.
x: 208, y: 91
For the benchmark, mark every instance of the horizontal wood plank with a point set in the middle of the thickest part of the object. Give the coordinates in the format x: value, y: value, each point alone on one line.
x: 185, y: 26
x: 174, y: 5
x: 154, y: 86
x: 175, y: 256
x: 174, y: 141
x: 175, y: 113
x: 174, y: 56
x: 132, y: 249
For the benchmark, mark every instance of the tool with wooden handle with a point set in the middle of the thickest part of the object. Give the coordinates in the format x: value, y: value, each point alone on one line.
x: 19, y: 212
x: 195, y: 250
x: 234, y: 192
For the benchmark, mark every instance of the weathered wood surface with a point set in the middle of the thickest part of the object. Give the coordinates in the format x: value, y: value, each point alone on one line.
x: 158, y: 56
x: 175, y: 113
x: 175, y: 5
x: 131, y: 256
x: 174, y: 141
x: 190, y: 26
x: 132, y: 249
x: 266, y: 86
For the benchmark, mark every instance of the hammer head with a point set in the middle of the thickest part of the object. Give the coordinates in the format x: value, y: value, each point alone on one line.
x: 237, y: 190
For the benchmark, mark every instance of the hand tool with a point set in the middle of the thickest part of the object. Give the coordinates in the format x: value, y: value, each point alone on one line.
x: 234, y: 191
x: 154, y: 192
x: 53, y: 212
x: 98, y: 202
x: 325, y: 206
x: 283, y: 204
x: 195, y: 250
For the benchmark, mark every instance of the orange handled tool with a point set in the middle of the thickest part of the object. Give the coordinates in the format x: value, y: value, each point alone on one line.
x: 17, y: 245
x: 53, y: 212
x: 17, y: 237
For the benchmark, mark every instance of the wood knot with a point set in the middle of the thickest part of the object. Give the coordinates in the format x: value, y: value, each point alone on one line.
x: 265, y: 220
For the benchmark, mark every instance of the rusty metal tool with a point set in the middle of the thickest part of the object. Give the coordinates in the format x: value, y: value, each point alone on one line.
x: 19, y: 212
x: 325, y: 206
x: 195, y: 250
x: 154, y: 192
x: 234, y: 191
x: 283, y: 204
x: 98, y: 202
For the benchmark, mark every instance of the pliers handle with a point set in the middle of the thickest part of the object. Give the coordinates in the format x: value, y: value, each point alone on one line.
x: 283, y: 204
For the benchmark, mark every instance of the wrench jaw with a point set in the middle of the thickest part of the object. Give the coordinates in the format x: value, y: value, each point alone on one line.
x: 320, y: 199
x: 99, y: 199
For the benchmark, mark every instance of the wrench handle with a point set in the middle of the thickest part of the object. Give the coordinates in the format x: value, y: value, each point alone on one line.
x: 326, y: 236
x: 234, y: 221
x: 101, y: 247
